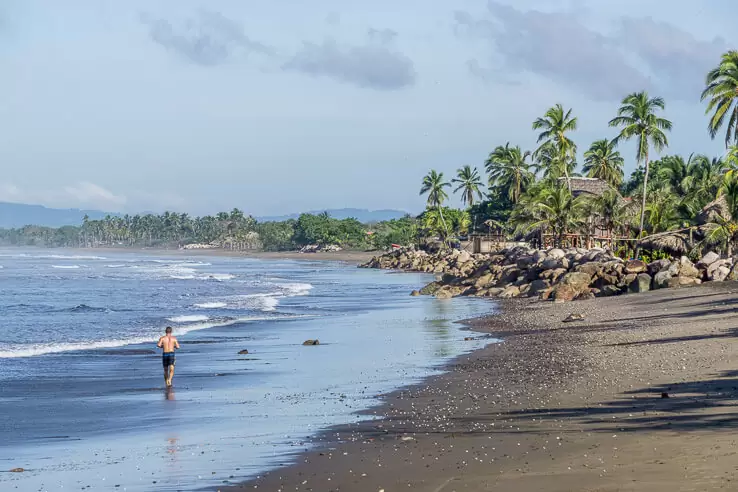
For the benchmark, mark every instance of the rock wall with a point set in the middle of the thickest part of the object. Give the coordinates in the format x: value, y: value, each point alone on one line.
x: 557, y: 274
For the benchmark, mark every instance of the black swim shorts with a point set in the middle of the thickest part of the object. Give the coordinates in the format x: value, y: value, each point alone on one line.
x: 167, y: 359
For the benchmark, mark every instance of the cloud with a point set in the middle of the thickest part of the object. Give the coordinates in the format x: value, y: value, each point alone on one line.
x: 640, y: 54
x: 375, y: 65
x: 207, y: 39
x: 677, y: 60
x: 556, y: 46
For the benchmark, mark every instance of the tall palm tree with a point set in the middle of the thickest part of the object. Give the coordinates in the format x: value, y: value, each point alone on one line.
x: 469, y: 181
x: 602, y: 161
x: 610, y: 210
x: 433, y: 185
x: 509, y: 170
x: 637, y: 117
x: 554, y: 126
x: 722, y: 92
x: 723, y: 229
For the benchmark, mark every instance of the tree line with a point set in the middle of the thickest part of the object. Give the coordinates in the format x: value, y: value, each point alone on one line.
x: 528, y: 191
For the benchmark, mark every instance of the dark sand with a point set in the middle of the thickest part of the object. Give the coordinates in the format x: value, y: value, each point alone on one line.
x: 557, y: 407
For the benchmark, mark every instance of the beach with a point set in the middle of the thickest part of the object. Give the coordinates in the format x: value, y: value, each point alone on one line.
x: 638, y: 396
x: 83, y: 400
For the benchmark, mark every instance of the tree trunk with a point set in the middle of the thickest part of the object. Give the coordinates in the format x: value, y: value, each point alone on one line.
x: 445, y: 227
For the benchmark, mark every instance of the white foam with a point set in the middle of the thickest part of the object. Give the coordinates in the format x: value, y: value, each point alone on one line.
x: 296, y: 289
x: 188, y: 318
x: 211, y: 305
x: 41, y: 349
x: 66, y: 267
x: 72, y: 257
x: 219, y: 276
x: 115, y: 266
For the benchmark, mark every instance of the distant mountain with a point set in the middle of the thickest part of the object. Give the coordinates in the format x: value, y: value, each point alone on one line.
x: 360, y: 214
x: 19, y: 215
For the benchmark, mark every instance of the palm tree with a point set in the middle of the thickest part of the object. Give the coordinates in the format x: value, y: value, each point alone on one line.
x: 509, y: 170
x: 637, y: 116
x: 610, y: 210
x: 550, y: 207
x: 723, y: 229
x: 555, y: 124
x: 469, y: 182
x: 602, y: 161
x: 722, y: 91
x: 433, y: 185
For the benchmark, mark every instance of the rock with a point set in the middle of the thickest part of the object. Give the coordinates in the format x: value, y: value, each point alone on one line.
x: 555, y: 253
x: 721, y: 274
x: 687, y: 268
x: 539, y: 256
x: 635, y: 266
x: 605, y: 280
x: 610, y: 291
x: 16, y: 470
x: 656, y: 266
x: 552, y: 276
x: 676, y: 282
x: 484, y: 280
x: 243, y: 352
x: 712, y: 269
x: 311, y: 342
x: 733, y: 275
x: 573, y: 317
x: 526, y: 262
x: 415, y: 293
x: 708, y: 259
x: 572, y: 285
x: 464, y: 257
x: 430, y: 289
x: 661, y: 279
x: 538, y: 286
x: 592, y: 269
x: 642, y: 283
x: 665, y: 395
x: 583, y: 296
x: 510, y: 292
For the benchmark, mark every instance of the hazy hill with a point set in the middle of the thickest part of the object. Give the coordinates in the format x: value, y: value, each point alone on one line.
x: 19, y: 215
x: 362, y: 215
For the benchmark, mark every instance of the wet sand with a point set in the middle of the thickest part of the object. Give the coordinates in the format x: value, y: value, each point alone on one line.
x: 640, y: 396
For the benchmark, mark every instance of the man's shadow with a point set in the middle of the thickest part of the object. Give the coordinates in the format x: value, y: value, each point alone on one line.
x: 169, y: 393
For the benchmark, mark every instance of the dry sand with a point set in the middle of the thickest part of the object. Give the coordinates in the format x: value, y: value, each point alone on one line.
x: 557, y: 407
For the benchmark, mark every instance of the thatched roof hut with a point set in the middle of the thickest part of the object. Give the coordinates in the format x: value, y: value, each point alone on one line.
x: 714, y: 209
x: 587, y: 186
x: 675, y: 243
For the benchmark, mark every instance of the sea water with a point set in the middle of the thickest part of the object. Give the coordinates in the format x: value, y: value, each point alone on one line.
x: 82, y: 396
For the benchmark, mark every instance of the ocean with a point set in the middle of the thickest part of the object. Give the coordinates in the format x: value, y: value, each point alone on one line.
x: 82, y: 397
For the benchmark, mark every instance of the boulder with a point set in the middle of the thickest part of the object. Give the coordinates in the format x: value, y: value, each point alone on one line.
x: 538, y: 286
x: 539, y: 256
x: 712, y: 269
x: 733, y: 275
x: 589, y: 294
x: 484, y: 280
x: 243, y: 352
x: 605, y: 280
x: 464, y: 257
x: 510, y: 292
x: 676, y: 282
x: 415, y: 293
x: 708, y: 259
x: 572, y: 285
x: 642, y: 283
x: 552, y: 276
x: 552, y: 263
x: 555, y: 253
x: 16, y: 470
x: 721, y: 274
x: 609, y: 291
x: 687, y: 268
x: 635, y: 266
x: 311, y: 342
x: 592, y: 269
x: 525, y: 262
x: 656, y: 266
x: 430, y: 289
x: 661, y: 279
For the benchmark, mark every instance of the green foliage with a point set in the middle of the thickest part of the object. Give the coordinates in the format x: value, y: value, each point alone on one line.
x: 651, y: 256
x: 277, y: 236
x: 402, y: 231
x: 721, y: 91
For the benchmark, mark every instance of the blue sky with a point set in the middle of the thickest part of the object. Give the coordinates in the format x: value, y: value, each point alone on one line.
x: 284, y: 106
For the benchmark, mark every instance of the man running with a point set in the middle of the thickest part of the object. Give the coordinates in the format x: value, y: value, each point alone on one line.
x: 168, y: 343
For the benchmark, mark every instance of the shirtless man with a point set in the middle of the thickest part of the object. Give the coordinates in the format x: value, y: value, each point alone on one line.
x: 168, y: 343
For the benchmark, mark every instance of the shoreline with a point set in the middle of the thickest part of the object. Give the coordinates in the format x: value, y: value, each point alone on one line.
x: 556, y: 406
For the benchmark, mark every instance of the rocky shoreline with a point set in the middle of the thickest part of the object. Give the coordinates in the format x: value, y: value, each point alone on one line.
x: 554, y: 274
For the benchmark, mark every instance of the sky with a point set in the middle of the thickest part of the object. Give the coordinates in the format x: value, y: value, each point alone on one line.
x: 283, y: 106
